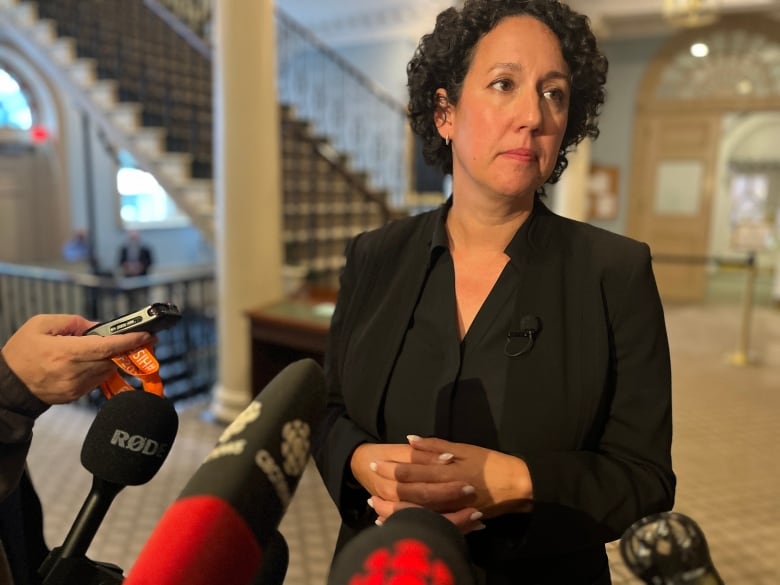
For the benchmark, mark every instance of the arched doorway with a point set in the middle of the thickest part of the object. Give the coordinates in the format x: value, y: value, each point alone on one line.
x: 698, y: 79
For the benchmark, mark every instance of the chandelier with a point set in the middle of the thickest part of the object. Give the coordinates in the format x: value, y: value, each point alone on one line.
x: 690, y: 13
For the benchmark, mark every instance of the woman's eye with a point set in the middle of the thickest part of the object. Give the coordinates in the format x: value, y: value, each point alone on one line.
x: 502, y: 85
x: 555, y: 95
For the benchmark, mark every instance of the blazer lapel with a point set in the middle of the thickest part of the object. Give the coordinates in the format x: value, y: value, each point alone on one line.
x: 538, y: 391
x: 388, y: 306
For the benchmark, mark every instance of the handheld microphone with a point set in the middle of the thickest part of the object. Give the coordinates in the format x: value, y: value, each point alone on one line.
x: 668, y: 549
x: 529, y: 327
x: 276, y: 558
x: 127, y: 443
x: 223, y: 525
x: 415, y: 545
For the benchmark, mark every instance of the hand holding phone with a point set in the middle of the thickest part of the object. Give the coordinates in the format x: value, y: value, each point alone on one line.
x: 140, y: 363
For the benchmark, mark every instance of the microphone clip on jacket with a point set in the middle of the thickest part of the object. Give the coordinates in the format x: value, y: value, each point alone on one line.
x: 529, y: 327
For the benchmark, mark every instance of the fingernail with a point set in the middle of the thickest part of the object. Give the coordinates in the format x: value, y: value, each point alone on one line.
x: 413, y: 438
x: 446, y: 456
x: 371, y: 503
x: 480, y: 526
x: 468, y: 489
x: 475, y: 516
x: 378, y: 522
x: 372, y: 466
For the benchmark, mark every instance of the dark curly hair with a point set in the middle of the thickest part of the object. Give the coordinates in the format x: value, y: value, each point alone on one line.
x: 444, y: 56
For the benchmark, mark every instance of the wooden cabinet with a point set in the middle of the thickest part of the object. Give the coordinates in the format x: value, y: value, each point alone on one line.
x: 287, y: 331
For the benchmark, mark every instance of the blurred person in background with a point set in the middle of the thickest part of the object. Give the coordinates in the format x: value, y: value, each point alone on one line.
x: 135, y: 257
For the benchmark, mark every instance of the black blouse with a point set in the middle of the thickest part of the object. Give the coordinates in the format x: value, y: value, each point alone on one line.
x: 441, y: 386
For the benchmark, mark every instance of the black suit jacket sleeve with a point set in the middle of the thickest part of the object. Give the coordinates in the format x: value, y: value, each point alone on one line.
x: 339, y: 435
x: 620, y: 469
x: 18, y: 411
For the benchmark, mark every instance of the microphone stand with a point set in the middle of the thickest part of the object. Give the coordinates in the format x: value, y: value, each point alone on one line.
x: 68, y: 564
x: 80, y: 571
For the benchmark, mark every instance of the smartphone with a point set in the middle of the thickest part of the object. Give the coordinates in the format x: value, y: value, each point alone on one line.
x: 152, y: 318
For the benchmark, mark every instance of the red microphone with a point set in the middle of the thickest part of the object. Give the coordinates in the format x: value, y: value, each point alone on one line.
x: 200, y: 539
x: 223, y: 526
x: 415, y: 546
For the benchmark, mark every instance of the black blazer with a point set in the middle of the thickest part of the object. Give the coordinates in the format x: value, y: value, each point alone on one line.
x: 588, y: 409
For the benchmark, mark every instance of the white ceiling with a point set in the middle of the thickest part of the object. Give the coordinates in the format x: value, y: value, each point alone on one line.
x: 341, y: 22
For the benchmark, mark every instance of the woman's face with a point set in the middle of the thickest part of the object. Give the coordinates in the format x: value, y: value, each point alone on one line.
x: 506, y: 129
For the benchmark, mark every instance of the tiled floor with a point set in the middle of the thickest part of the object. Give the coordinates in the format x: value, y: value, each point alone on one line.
x: 727, y: 433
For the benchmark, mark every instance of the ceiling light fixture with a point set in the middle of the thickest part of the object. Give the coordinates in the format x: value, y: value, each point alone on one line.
x: 690, y: 13
x: 700, y: 50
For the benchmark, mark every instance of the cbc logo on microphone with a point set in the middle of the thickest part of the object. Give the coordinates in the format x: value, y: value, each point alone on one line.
x: 249, y: 415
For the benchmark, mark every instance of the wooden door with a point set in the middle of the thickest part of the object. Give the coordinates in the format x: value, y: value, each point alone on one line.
x: 672, y: 188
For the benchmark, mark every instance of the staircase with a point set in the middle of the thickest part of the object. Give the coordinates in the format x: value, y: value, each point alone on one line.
x: 146, y: 84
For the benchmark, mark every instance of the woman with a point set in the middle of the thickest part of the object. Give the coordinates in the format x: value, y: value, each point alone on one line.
x: 490, y: 360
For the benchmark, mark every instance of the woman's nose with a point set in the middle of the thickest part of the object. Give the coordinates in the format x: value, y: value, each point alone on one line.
x: 529, y: 111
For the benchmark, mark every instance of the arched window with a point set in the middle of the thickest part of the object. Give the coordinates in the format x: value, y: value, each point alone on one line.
x: 15, y: 112
x: 724, y: 64
x: 143, y: 203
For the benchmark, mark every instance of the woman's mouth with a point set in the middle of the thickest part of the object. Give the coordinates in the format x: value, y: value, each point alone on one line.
x: 520, y: 154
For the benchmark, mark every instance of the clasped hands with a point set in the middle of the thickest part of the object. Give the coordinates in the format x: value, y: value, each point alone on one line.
x: 464, y: 483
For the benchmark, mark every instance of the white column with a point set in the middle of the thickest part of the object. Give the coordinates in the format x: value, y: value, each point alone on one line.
x: 571, y: 192
x: 247, y: 188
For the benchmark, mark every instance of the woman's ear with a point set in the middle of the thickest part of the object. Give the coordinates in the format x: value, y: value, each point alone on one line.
x: 442, y: 114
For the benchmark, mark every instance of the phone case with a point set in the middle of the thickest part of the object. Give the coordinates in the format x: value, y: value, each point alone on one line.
x: 153, y: 318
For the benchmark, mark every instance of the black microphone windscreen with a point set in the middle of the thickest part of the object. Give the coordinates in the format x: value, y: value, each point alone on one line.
x: 668, y: 547
x: 276, y: 559
x: 130, y: 438
x: 414, y: 545
x: 260, y: 457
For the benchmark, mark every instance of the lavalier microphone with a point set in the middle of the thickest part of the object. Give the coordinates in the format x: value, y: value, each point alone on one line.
x: 529, y: 327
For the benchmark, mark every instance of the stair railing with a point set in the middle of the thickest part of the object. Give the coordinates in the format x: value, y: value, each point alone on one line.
x: 357, y: 116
